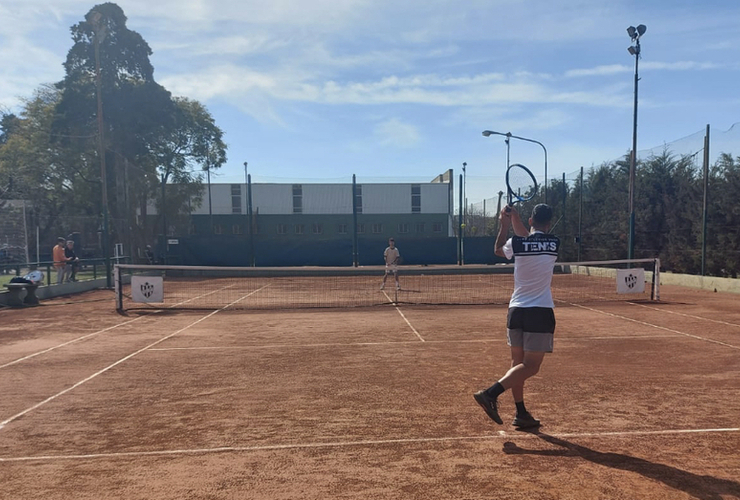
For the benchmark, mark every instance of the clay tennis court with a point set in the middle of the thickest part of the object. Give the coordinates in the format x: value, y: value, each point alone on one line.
x: 638, y: 401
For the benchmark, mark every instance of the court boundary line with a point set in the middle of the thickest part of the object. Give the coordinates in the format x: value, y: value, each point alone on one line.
x: 645, y: 323
x: 370, y: 442
x: 686, y: 315
x: 409, y: 323
x: 396, y: 342
x: 125, y: 358
x: 64, y: 344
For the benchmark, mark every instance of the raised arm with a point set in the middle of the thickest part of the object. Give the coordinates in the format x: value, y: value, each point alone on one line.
x: 504, y: 219
x: 517, y: 224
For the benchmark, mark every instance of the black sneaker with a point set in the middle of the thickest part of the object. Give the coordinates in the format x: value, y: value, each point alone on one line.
x: 489, y: 404
x: 525, y: 421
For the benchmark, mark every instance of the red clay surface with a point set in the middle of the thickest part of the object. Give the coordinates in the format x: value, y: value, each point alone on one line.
x: 638, y: 401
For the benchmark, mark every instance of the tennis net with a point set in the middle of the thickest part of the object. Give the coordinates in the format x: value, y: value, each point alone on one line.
x: 193, y: 287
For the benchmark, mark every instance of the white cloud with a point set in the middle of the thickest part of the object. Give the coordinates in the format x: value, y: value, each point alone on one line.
x: 395, y: 133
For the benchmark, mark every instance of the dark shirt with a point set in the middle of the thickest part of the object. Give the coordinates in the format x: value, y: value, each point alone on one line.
x: 69, y: 254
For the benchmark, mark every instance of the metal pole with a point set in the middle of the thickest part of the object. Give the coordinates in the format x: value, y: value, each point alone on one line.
x: 98, y: 33
x: 633, y: 161
x: 565, y: 210
x: 465, y: 196
x: 164, y: 220
x: 459, y: 227
x: 705, y: 204
x: 252, y: 260
x: 580, y: 218
x: 355, y: 257
x: 210, y: 206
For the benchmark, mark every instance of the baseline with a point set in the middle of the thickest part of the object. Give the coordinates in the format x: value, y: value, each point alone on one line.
x: 370, y: 442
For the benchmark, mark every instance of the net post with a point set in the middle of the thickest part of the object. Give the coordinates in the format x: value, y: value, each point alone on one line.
x: 118, y: 288
x: 656, y: 280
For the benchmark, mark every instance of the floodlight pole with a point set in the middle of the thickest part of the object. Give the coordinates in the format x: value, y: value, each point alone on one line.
x: 508, y: 135
x: 98, y: 35
x: 635, y: 34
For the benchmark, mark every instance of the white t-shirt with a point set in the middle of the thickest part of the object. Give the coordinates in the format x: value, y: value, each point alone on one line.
x: 391, y: 256
x: 534, y: 261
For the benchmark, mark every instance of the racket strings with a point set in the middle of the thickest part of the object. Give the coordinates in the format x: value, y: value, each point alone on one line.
x: 520, y: 183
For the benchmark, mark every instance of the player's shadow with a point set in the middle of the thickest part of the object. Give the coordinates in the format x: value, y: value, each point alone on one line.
x: 701, y: 487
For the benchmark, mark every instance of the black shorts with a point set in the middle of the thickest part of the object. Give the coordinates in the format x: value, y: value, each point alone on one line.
x: 531, y: 328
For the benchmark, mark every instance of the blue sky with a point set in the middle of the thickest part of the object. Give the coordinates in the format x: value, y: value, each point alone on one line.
x: 401, y: 90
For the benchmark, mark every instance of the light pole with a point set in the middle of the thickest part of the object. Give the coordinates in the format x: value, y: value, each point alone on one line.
x: 465, y: 196
x: 635, y: 34
x: 99, y: 32
x: 508, y: 135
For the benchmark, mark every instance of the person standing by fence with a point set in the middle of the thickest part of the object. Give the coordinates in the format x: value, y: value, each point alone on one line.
x: 60, y: 261
x: 72, y: 262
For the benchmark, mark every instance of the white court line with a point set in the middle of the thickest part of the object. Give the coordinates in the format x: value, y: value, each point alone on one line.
x: 687, y: 315
x: 371, y: 442
x: 402, y: 315
x: 25, y: 358
x: 69, y: 342
x: 659, y: 327
x: 125, y: 358
x: 409, y: 323
x: 393, y: 342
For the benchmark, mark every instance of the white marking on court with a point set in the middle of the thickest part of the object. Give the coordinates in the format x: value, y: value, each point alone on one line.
x: 125, y: 358
x: 370, y: 442
x: 409, y: 323
x: 492, y: 340
x: 687, y: 315
x: 24, y: 358
x: 645, y: 323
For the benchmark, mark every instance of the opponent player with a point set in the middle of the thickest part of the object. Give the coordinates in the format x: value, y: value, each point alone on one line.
x: 392, y: 256
x: 531, y: 321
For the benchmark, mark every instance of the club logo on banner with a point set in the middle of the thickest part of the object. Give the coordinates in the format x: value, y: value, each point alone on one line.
x: 147, y: 289
x: 630, y: 280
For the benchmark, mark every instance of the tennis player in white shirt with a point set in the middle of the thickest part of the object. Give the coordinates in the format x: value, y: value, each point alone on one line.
x: 531, y: 320
x: 392, y: 256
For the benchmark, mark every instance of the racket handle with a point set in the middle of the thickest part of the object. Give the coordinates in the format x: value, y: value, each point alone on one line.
x: 508, y: 208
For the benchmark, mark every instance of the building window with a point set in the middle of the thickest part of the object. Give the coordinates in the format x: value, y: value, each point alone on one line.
x: 282, y: 229
x: 297, y: 199
x: 437, y: 227
x: 317, y: 228
x: 342, y: 228
x: 415, y: 198
x: 217, y: 229
x: 377, y: 228
x: 298, y: 228
x: 419, y: 227
x: 236, y: 199
x: 236, y: 229
x: 358, y: 197
x: 403, y: 228
x: 361, y: 228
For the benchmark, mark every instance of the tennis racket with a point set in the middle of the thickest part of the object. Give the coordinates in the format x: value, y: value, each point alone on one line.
x: 520, y: 183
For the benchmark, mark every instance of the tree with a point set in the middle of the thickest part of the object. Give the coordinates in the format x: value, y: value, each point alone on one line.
x: 192, y: 145
x: 140, y: 118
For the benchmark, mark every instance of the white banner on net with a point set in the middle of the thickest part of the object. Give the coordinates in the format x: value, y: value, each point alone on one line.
x: 631, y: 280
x: 147, y: 289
